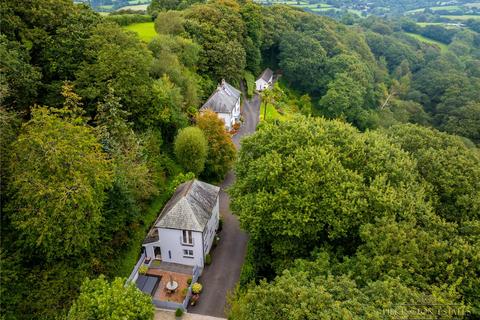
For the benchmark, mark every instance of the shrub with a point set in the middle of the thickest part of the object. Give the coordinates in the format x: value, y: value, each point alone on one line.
x: 189, y: 281
x: 216, y: 240
x: 197, y: 288
x: 208, y: 259
x: 220, y: 224
x: 178, y: 312
x: 143, y: 269
x: 184, y: 292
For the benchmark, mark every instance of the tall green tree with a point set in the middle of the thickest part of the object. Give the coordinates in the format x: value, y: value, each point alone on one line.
x: 60, y: 173
x: 100, y: 299
x: 191, y: 148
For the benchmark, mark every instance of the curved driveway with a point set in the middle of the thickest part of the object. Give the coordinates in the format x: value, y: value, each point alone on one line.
x: 227, y: 258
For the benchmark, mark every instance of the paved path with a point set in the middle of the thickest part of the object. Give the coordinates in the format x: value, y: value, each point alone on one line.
x: 227, y: 258
x: 170, y: 315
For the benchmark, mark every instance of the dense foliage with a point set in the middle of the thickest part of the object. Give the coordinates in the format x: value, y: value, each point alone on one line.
x: 191, y: 149
x: 370, y: 208
x: 102, y: 300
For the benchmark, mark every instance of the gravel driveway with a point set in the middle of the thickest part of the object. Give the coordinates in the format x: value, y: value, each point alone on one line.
x: 227, y: 258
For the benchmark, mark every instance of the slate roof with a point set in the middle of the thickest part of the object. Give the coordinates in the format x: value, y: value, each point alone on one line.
x: 266, y: 75
x: 223, y: 99
x: 190, y: 207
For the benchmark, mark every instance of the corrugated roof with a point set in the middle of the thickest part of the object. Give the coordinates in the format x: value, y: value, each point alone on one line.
x: 266, y: 75
x: 190, y: 207
x: 223, y: 99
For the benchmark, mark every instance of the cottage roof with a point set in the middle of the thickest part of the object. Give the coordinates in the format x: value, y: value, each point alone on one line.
x: 223, y: 99
x: 266, y: 75
x: 190, y: 207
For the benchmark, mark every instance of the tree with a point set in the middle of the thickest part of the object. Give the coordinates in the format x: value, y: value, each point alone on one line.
x: 221, y: 150
x: 448, y: 165
x: 118, y: 59
x: 319, y: 180
x: 21, y: 80
x: 307, y: 294
x: 191, y: 149
x: 100, y: 299
x: 133, y: 180
x: 60, y: 173
x: 169, y: 22
x: 165, y: 110
x: 303, y: 59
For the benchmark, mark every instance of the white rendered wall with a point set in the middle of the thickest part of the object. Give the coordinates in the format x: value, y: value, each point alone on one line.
x: 227, y: 118
x: 261, y: 84
x: 212, y: 226
x: 170, y: 240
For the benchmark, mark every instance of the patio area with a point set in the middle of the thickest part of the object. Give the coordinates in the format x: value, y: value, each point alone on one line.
x: 167, y: 272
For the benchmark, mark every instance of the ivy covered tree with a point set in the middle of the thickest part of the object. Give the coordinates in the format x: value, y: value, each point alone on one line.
x: 100, y: 299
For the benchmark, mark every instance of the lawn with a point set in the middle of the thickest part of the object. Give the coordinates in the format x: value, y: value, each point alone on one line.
x: 145, y: 30
x: 443, y: 47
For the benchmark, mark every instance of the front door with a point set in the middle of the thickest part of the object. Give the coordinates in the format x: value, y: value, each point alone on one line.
x: 157, y: 252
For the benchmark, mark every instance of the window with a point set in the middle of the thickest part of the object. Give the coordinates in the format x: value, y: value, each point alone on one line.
x: 187, y: 253
x: 187, y: 237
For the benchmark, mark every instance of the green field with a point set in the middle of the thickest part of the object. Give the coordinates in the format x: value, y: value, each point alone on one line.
x: 442, y: 24
x: 462, y: 18
x: 136, y: 7
x: 272, y: 113
x: 145, y: 30
x: 446, y: 8
x: 443, y: 47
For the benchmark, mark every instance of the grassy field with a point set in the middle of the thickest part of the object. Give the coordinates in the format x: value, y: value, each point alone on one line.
x: 446, y: 8
x: 443, y: 47
x: 145, y: 30
x: 136, y: 7
x: 442, y: 24
x: 272, y: 113
x: 461, y: 18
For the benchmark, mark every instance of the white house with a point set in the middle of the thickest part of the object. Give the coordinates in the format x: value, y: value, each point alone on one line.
x: 265, y: 80
x: 225, y: 101
x: 184, y: 231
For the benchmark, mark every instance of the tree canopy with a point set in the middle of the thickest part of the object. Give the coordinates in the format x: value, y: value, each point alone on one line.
x: 100, y: 299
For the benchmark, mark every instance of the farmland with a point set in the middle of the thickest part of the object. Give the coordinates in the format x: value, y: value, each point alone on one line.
x: 145, y: 30
x: 443, y: 47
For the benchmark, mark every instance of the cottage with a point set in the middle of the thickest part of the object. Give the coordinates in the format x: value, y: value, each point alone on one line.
x: 265, y: 80
x: 184, y: 231
x: 225, y: 101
